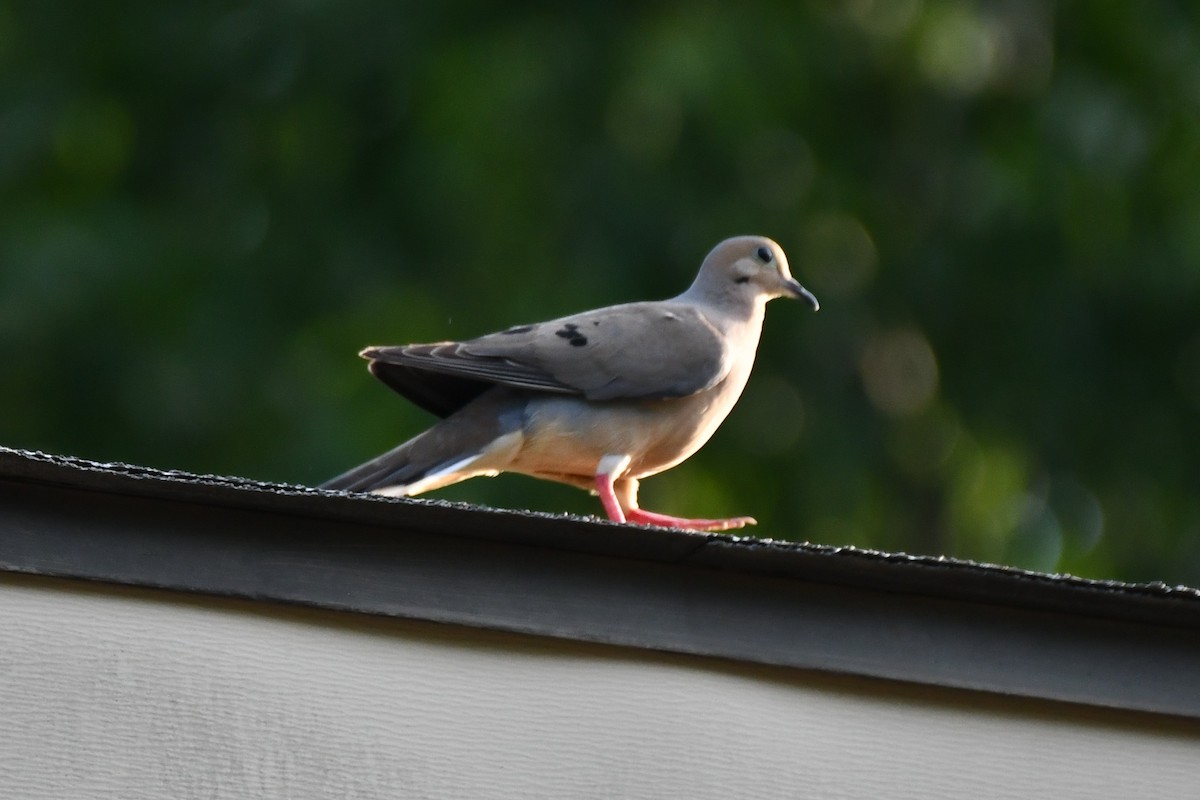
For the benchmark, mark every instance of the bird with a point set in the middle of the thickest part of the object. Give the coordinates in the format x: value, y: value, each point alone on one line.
x: 598, y: 400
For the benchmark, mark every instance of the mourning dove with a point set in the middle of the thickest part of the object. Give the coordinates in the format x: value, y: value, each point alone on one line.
x: 597, y: 400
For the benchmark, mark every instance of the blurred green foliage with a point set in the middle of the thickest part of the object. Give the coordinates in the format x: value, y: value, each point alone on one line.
x: 207, y: 208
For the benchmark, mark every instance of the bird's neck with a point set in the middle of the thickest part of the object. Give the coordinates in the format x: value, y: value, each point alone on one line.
x: 743, y: 324
x: 731, y: 302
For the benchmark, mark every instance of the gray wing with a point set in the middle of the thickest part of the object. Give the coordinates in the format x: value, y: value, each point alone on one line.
x: 634, y: 351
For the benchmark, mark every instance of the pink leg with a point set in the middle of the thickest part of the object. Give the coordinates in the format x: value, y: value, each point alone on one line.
x: 604, y: 486
x: 620, y: 502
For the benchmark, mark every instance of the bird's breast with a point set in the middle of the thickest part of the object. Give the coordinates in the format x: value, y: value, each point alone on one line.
x: 569, y: 435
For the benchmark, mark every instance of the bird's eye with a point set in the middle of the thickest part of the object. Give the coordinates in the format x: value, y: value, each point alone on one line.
x: 764, y: 255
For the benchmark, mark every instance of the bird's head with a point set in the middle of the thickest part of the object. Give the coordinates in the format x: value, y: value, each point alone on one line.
x: 749, y: 268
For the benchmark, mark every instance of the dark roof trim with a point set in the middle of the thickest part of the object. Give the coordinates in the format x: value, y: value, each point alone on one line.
x: 926, y: 620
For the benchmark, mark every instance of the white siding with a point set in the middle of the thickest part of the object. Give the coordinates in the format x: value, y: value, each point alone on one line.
x: 122, y: 694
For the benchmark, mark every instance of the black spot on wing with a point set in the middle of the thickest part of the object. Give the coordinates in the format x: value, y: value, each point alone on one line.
x: 570, y: 332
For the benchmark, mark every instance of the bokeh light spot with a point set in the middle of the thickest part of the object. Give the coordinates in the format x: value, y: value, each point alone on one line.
x: 93, y: 141
x: 838, y: 256
x: 922, y: 443
x: 1037, y: 541
x: 887, y: 19
x: 644, y: 120
x: 777, y: 168
x: 958, y: 49
x: 987, y: 494
x: 1098, y: 126
x: 1079, y: 513
x: 769, y: 418
x: 899, y: 371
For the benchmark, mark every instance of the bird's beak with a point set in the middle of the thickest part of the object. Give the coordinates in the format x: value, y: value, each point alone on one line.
x: 794, y: 289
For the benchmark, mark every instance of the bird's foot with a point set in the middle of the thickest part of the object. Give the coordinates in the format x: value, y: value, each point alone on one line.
x: 642, y: 517
x: 624, y: 508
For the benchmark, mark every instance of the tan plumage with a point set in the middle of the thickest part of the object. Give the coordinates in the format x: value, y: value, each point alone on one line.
x: 597, y: 399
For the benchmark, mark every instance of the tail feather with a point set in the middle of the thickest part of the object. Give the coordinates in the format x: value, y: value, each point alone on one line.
x: 395, y: 467
x: 443, y: 454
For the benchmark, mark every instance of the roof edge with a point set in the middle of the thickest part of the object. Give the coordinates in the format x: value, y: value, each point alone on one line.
x: 838, y: 610
x: 924, y: 575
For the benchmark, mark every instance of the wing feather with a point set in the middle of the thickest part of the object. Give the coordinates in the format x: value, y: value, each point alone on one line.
x: 633, y: 351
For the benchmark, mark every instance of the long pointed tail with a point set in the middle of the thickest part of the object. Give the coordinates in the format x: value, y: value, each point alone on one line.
x: 469, y: 442
x: 395, y: 467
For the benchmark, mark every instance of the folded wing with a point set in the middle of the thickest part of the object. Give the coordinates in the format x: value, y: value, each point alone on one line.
x: 633, y: 351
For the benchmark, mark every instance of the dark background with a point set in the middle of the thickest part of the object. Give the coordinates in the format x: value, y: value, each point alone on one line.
x: 207, y: 208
